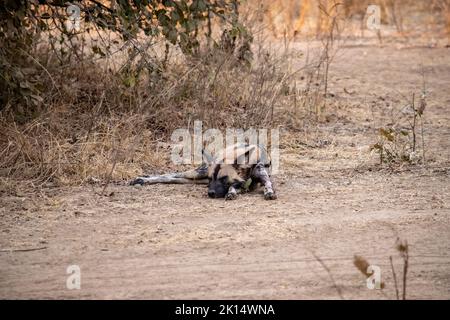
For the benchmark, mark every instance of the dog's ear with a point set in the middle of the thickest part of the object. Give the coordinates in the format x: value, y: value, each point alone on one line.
x: 244, y: 158
x: 207, y: 157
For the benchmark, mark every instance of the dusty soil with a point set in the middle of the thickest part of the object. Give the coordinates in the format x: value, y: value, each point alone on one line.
x: 335, y: 201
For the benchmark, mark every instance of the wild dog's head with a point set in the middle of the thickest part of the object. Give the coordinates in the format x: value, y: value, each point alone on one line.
x: 221, y: 178
x: 222, y: 174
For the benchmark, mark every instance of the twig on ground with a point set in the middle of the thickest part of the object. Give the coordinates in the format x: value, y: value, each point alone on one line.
x: 22, y: 250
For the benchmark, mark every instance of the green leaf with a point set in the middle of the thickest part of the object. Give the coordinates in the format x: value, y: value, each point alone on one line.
x: 130, y: 81
x: 387, y: 133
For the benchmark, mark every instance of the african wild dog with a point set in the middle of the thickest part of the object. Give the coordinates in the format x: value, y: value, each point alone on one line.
x: 241, y: 168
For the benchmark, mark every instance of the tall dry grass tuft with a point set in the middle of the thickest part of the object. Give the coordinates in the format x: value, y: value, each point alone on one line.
x: 403, y: 249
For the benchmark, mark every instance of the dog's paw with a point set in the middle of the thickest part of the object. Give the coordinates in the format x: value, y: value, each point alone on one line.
x: 137, y: 181
x: 270, y: 195
x: 231, y: 196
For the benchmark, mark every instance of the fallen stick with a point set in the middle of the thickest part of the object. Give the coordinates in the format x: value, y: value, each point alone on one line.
x: 22, y: 250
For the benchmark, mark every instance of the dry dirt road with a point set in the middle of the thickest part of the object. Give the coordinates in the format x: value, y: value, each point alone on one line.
x: 172, y: 242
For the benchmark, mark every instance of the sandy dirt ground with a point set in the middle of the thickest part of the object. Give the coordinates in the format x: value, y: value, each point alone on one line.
x: 172, y: 242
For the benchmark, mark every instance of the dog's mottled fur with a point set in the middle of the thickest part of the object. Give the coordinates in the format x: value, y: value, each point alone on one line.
x: 240, y: 168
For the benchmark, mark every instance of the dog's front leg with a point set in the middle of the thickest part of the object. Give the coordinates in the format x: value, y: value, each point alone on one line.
x: 234, y: 190
x: 167, y: 179
x: 197, y: 176
x: 260, y: 173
